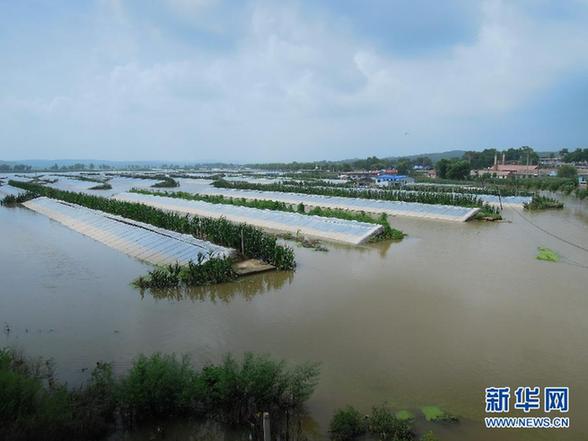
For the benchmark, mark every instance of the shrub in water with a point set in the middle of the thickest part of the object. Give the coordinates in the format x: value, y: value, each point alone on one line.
x: 347, y: 424
x: 157, y: 386
x: 384, y: 424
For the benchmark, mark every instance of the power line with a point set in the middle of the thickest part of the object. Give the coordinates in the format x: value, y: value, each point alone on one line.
x: 580, y: 247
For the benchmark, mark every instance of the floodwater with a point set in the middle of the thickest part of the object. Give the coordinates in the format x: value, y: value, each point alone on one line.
x: 452, y: 309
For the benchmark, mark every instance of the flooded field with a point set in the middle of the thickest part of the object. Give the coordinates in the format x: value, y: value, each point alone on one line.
x: 435, y: 319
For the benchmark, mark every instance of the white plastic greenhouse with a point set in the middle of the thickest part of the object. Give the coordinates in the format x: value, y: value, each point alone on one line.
x: 394, y: 208
x: 137, y: 239
x: 340, y: 230
x: 9, y: 190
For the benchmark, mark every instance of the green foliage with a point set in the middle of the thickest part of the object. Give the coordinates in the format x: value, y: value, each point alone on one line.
x: 19, y: 199
x: 429, y: 436
x: 347, y: 424
x: 463, y: 200
x: 547, y: 183
x: 405, y: 415
x: 236, y: 391
x: 578, y: 155
x: 104, y: 186
x: 543, y: 203
x: 251, y: 241
x: 157, y: 386
x: 436, y: 414
x: 33, y: 406
x: 488, y: 212
x: 387, y: 233
x: 80, y: 178
x: 166, y: 182
x: 547, y: 255
x: 567, y: 171
x: 453, y: 187
x: 209, y: 272
x: 384, y: 424
x: 441, y: 168
x: 458, y: 170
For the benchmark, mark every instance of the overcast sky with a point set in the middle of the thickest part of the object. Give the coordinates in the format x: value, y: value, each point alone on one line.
x: 289, y: 80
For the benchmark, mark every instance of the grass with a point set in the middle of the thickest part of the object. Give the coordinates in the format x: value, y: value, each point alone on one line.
x: 547, y: 255
x: 35, y: 406
x: 250, y: 241
x: 387, y: 233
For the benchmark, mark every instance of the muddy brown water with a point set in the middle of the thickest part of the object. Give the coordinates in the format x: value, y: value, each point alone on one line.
x: 434, y: 319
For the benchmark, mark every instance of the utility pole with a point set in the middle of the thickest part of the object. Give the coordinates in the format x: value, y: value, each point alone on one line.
x: 266, y: 427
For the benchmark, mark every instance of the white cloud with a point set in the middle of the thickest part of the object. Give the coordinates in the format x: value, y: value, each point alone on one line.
x: 297, y: 82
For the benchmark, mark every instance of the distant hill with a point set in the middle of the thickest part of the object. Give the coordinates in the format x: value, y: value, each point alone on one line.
x: 451, y: 154
x: 46, y: 163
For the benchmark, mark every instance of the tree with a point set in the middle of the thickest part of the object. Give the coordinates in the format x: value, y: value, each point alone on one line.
x: 441, y: 168
x: 567, y: 171
x: 403, y: 166
x: 458, y: 170
x: 578, y: 155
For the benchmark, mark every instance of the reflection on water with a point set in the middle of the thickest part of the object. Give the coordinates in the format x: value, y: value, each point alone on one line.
x: 246, y: 287
x: 297, y: 426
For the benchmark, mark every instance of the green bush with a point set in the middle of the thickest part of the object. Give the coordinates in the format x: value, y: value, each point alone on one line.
x: 19, y: 199
x: 166, y: 182
x: 384, y: 424
x: 214, y: 270
x: 347, y: 424
x: 543, y: 203
x: 238, y: 391
x: 157, y: 386
x: 34, y: 406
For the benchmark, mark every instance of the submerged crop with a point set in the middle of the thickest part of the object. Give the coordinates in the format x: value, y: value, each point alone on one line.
x: 387, y: 233
x: 543, y: 203
x: 211, y: 271
x: 462, y: 200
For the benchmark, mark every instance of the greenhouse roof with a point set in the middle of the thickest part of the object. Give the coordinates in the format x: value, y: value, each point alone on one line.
x: 340, y: 230
x: 137, y: 239
x: 394, y: 208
